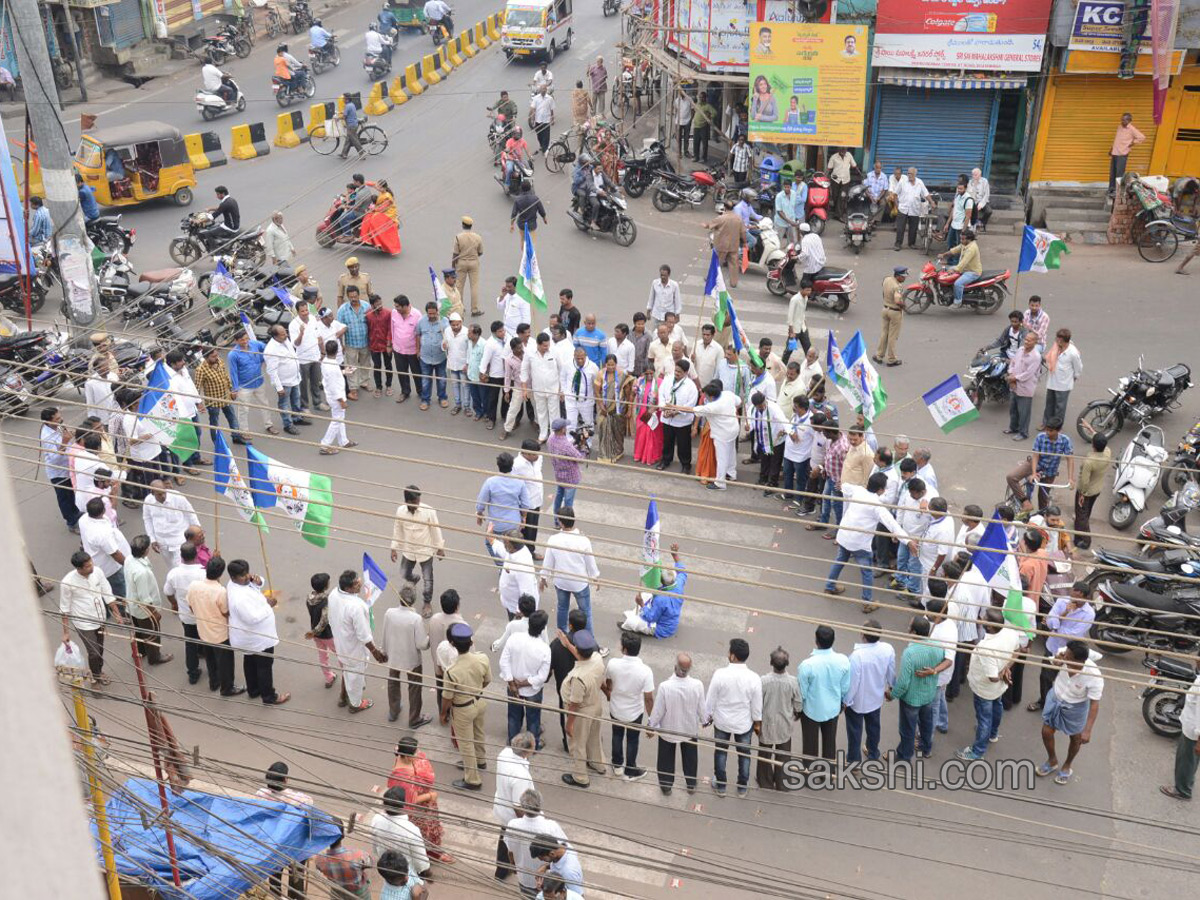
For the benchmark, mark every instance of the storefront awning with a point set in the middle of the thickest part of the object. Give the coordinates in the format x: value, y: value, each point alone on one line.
x: 955, y: 84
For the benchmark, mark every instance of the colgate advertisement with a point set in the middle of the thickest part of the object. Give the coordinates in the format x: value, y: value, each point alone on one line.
x: 996, y: 35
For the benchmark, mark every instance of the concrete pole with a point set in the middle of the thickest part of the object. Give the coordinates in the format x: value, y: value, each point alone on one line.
x: 54, y: 154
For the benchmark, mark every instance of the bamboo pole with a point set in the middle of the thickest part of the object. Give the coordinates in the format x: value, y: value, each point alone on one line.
x: 84, y: 723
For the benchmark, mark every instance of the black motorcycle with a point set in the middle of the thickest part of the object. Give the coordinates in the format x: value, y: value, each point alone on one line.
x: 1159, y: 574
x: 227, y: 42
x: 521, y: 173
x: 12, y: 293
x: 326, y: 57
x: 1140, y: 395
x: 640, y: 171
x: 1161, y: 534
x: 987, y: 378
x: 302, y: 18
x: 1185, y: 465
x: 107, y: 234
x: 300, y: 86
x: 859, y: 225
x: 1163, y: 698
x: 1129, y: 617
x: 609, y: 218
x: 201, y: 238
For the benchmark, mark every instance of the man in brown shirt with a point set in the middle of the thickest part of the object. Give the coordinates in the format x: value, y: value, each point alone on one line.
x: 468, y: 247
x: 210, y: 605
x: 581, y: 104
x: 582, y: 693
x: 216, y: 390
x: 729, y: 234
x: 893, y: 316
x: 353, y: 276
x: 860, y: 460
x: 1123, y: 142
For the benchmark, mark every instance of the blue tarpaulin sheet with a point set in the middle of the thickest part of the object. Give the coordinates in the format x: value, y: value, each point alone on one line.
x: 252, y: 837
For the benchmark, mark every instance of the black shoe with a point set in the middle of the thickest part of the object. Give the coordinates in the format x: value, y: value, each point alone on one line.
x: 662, y: 466
x: 292, y: 429
x: 301, y: 421
x: 569, y: 779
x: 238, y: 439
x: 466, y: 786
x: 666, y: 789
x: 235, y: 690
x: 194, y: 679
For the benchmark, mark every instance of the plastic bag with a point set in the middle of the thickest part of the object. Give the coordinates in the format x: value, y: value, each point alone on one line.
x: 69, y: 656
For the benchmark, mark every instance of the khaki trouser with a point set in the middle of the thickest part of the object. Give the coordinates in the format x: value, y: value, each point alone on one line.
x: 468, y: 729
x: 889, y: 334
x: 256, y: 404
x: 360, y: 359
x: 469, y: 273
x: 585, y: 746
x: 731, y: 262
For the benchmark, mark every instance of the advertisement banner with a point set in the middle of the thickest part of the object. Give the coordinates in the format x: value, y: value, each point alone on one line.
x: 808, y: 83
x: 1098, y: 27
x: 994, y: 35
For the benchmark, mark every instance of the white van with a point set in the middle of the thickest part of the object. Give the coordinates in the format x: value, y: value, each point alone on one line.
x: 537, y: 28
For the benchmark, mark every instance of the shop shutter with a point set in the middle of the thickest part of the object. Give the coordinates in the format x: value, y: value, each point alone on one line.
x: 120, y: 24
x: 944, y: 133
x: 1081, y: 122
x: 181, y: 14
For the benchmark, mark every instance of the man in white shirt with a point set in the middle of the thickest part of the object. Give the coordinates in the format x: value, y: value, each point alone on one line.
x: 519, y: 835
x: 402, y: 638
x: 252, y: 630
x: 187, y: 399
x: 174, y: 590
x: 514, y: 309
x: 734, y: 706
x: 84, y: 600
x: 678, y: 714
x: 812, y: 256
x: 706, y: 354
x: 350, y: 619
x: 925, y: 470
x: 103, y: 541
x: 579, y: 390
x: 513, y: 779
x: 524, y: 668
x: 937, y: 548
x: 541, y: 116
x: 721, y: 410
x: 283, y: 371
x: 769, y: 429
x: 980, y: 191
x: 797, y: 318
x: 872, y: 672
x: 944, y: 635
x: 569, y: 563
x: 391, y: 829
x: 968, y: 598
x: 454, y: 342
x: 989, y: 674
x: 305, y: 334
x: 911, y: 197
x: 98, y: 391
x: 491, y: 371
x: 518, y: 576
x: 1065, y: 365
x: 542, y: 377
x: 797, y: 451
x: 677, y: 397
x: 167, y: 515
x: 527, y: 466
x: 664, y: 297
x: 862, y: 514
x: 1071, y: 706
x: 840, y: 166
x: 629, y: 686
x: 620, y: 346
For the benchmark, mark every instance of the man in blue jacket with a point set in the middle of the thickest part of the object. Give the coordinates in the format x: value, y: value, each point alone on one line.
x: 659, y: 616
x: 254, y: 399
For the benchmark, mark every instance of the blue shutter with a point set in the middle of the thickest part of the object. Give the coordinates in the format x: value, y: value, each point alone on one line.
x: 120, y: 24
x: 944, y: 133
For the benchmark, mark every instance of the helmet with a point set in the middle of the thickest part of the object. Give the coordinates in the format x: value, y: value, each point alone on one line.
x: 585, y: 159
x: 282, y: 48
x: 501, y: 118
x: 516, y: 132
x: 749, y: 195
x: 372, y: 27
x: 317, y: 22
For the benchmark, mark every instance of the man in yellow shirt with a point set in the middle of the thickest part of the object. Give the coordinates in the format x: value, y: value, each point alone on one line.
x: 968, y: 266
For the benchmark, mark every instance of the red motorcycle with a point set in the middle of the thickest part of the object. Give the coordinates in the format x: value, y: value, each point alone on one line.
x: 937, y: 286
x: 833, y: 287
x: 673, y: 188
x: 816, y: 207
x: 373, y: 230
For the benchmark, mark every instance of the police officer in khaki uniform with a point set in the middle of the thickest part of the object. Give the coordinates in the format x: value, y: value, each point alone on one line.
x: 581, y: 692
x: 462, y: 701
x: 893, y: 316
x: 353, y: 276
x: 464, y: 257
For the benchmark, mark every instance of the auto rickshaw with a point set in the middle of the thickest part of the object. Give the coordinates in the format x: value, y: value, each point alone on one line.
x: 134, y: 163
x: 410, y: 14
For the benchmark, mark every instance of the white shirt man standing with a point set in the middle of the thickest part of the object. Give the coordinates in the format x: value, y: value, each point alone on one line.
x: 734, y: 706
x: 513, y: 780
x: 721, y: 410
x: 911, y: 197
x: 872, y: 672
x: 84, y: 600
x: 283, y: 371
x: 166, y: 515
x: 542, y: 374
x: 391, y: 829
x: 524, y: 668
x: 349, y: 617
x: 252, y: 629
x: 402, y: 638
x: 678, y: 714
x: 629, y: 686
x: 664, y: 297
x: 570, y: 564
x: 861, y: 517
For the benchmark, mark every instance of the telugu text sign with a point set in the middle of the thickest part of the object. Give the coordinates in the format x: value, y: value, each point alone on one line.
x: 997, y: 35
x: 808, y: 83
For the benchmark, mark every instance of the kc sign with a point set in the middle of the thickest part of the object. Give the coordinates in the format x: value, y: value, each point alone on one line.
x: 1098, y: 27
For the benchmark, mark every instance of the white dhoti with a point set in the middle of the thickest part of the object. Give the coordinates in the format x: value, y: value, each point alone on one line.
x: 336, y: 432
x: 545, y: 408
x: 577, y: 410
x: 726, y: 461
x: 634, y: 622
x: 354, y: 678
x: 170, y: 553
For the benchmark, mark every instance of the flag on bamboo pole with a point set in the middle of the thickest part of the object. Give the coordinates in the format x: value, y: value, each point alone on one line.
x: 1041, y: 251
x: 160, y: 405
x: 305, y: 497
x: 228, y: 481
x: 651, y: 554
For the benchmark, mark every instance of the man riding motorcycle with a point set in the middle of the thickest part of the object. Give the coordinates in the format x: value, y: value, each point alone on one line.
x: 506, y: 107
x: 437, y: 12
x: 375, y: 44
x: 515, y: 151
x: 214, y: 83
x: 589, y: 184
x: 288, y: 68
x: 318, y: 36
x: 387, y: 19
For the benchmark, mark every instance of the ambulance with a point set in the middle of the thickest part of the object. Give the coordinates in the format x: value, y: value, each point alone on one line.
x: 537, y: 28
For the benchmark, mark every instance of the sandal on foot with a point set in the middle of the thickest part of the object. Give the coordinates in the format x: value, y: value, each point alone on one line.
x: 1045, y: 769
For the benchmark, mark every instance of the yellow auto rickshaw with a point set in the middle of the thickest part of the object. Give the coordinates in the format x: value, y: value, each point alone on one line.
x: 134, y: 163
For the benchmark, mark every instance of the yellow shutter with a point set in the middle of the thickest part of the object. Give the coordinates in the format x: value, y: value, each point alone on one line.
x: 1077, y: 127
x: 182, y: 14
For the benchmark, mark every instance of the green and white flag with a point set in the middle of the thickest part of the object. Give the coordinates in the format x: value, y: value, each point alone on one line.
x: 651, y: 556
x: 714, y: 286
x: 529, y: 276
x: 222, y: 290
x: 305, y: 497
x: 1040, y: 250
x: 160, y: 405
x: 949, y: 405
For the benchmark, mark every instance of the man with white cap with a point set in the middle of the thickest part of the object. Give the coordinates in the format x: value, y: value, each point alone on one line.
x: 454, y: 340
x: 812, y: 254
x: 464, y: 257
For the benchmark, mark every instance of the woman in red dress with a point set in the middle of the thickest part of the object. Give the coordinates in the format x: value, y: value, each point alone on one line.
x: 381, y: 225
x: 414, y: 772
x: 647, y: 441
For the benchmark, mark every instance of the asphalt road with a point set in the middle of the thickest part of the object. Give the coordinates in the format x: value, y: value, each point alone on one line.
x: 1093, y: 837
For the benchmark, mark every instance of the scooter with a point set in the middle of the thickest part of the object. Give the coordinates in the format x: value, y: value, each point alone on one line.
x: 816, y: 206
x: 1167, y: 530
x: 211, y: 104
x: 378, y: 65
x: 1136, y: 476
x: 1164, y: 696
x: 1185, y: 465
x: 833, y: 287
x: 767, y: 252
x: 859, y: 224
x: 609, y: 217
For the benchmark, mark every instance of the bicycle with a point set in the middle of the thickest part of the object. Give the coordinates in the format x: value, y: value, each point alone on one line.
x: 275, y: 24
x: 1045, y: 490
x: 325, y: 142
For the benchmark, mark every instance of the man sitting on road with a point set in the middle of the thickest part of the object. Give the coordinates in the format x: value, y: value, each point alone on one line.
x: 659, y: 616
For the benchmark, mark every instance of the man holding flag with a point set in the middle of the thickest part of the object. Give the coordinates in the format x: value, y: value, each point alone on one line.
x: 350, y: 618
x: 658, y: 616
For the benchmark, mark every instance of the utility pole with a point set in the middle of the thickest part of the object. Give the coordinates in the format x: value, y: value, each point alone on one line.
x: 58, y: 174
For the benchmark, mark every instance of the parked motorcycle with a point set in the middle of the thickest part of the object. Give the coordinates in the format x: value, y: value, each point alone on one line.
x: 1163, y: 698
x: 937, y: 287
x: 1159, y: 534
x: 641, y: 171
x: 1137, y: 474
x: 987, y: 378
x: 43, y: 359
x: 859, y: 225
x: 12, y: 293
x: 816, y: 206
x: 15, y: 398
x: 1140, y: 396
x: 833, y: 286
x: 227, y: 42
x: 211, y: 104
x: 1130, y: 617
x: 1185, y: 464
x: 324, y: 58
x: 120, y: 287
x: 197, y: 241
x: 302, y: 17
x: 1158, y: 574
x: 107, y: 233
x: 301, y: 86
x: 673, y: 188
x: 609, y: 218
